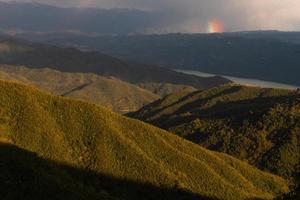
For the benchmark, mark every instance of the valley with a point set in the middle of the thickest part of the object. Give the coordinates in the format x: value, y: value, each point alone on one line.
x: 244, y: 81
x: 248, y: 55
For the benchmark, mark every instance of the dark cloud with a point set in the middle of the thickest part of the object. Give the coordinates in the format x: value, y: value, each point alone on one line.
x: 195, y: 15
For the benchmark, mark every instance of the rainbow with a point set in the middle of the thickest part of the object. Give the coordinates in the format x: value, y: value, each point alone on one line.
x: 215, y: 26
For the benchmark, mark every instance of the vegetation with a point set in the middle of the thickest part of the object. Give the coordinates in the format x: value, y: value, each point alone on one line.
x: 58, y: 148
x: 110, y: 92
x: 260, y: 126
x: 164, y: 89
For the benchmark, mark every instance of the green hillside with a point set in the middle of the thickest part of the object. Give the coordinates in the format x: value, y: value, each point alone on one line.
x: 164, y: 89
x: 110, y: 92
x: 260, y: 126
x: 58, y: 148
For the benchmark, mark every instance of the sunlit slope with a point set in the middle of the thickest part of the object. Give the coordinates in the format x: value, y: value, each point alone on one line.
x: 164, y: 89
x: 209, y: 102
x: 110, y: 92
x: 260, y: 126
x: 92, y: 138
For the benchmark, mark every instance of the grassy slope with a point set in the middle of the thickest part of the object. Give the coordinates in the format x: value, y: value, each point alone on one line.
x: 260, y: 126
x: 164, y: 89
x: 92, y: 138
x: 118, y: 95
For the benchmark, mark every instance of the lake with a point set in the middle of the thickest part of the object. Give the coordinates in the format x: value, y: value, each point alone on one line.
x: 243, y: 81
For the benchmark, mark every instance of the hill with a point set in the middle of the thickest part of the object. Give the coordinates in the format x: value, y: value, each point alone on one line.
x: 72, y: 146
x: 110, y: 92
x: 260, y: 126
x: 270, y: 57
x: 164, y: 89
x: 22, y: 53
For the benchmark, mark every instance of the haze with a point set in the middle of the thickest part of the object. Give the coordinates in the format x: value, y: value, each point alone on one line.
x: 203, y: 15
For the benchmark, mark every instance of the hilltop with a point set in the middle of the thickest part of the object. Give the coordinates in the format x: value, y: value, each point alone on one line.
x: 260, y: 126
x: 66, y: 148
x: 120, y: 96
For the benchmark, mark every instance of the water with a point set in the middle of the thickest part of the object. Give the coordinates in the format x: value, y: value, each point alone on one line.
x: 243, y: 81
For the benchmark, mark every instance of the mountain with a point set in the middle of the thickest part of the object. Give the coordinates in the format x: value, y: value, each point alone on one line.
x: 290, y: 37
x: 267, y: 57
x: 19, y: 17
x: 57, y: 148
x: 110, y: 92
x: 22, y: 53
x: 260, y: 126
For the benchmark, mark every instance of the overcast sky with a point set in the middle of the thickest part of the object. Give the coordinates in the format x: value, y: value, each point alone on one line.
x: 195, y: 15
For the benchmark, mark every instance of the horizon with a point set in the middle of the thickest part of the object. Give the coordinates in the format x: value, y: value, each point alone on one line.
x: 202, y: 16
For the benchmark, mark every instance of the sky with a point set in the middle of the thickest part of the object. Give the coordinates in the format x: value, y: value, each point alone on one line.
x: 207, y: 15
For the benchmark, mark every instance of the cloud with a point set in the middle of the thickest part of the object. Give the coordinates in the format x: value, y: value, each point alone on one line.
x: 195, y: 15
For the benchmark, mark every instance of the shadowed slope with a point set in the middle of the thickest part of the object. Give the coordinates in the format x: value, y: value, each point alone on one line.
x: 24, y: 175
x: 36, y: 178
x: 92, y: 138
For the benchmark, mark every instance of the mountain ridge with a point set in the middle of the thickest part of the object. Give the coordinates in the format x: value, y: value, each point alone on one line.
x: 266, y: 58
x: 115, y: 94
x: 24, y: 53
x: 257, y: 125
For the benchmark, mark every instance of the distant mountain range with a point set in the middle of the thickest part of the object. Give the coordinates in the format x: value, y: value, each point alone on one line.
x: 271, y: 55
x: 260, y: 126
x: 290, y: 37
x: 33, y: 17
x: 22, y: 53
x: 265, y: 55
x: 56, y: 148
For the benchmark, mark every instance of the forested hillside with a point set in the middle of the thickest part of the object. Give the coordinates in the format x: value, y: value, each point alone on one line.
x: 259, y: 126
x: 57, y: 148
